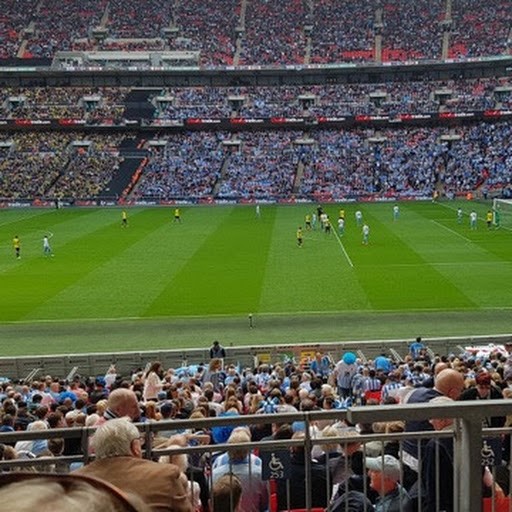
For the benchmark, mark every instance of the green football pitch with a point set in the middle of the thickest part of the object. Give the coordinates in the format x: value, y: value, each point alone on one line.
x: 159, y: 284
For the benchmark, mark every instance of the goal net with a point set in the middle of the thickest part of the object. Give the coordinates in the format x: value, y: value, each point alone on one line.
x: 502, y: 213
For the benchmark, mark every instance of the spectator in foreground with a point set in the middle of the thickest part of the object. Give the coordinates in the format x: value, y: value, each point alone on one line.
x: 226, y: 494
x: 117, y: 445
x: 318, y: 481
x: 384, y: 473
x: 247, y: 467
x: 26, y: 492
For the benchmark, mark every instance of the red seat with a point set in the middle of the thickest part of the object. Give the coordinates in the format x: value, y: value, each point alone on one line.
x: 272, y: 506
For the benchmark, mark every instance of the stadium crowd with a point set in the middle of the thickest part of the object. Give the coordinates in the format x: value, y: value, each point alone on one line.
x: 217, y: 389
x: 187, y: 167
x: 109, y: 104
x: 334, y: 40
x: 75, y: 165
x: 274, y: 35
x: 91, y: 104
x: 208, y: 27
x: 318, y: 165
x: 331, y: 164
x: 480, y: 29
x: 127, y: 20
x: 411, y: 30
x: 265, y: 167
x: 57, y: 25
x: 339, y: 100
x: 261, y: 32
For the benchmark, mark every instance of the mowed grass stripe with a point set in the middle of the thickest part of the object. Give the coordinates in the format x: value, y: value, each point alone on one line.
x: 30, y: 281
x: 224, y: 275
x: 126, y: 283
x: 406, y: 287
x: 38, y: 279
x: 316, y: 277
x: 485, y: 264
x: 30, y: 226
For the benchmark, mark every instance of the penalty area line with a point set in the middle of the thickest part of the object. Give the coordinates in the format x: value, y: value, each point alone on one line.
x: 452, y: 231
x: 343, y: 248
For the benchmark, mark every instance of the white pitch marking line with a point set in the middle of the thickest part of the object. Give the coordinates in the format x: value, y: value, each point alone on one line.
x: 452, y: 231
x: 343, y: 248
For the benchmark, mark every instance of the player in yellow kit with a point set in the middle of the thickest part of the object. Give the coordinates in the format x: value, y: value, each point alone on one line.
x: 17, y: 246
x: 299, y: 236
x: 489, y: 218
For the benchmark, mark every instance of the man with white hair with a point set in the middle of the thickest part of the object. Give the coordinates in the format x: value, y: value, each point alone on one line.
x: 33, y: 446
x: 384, y: 473
x: 117, y: 445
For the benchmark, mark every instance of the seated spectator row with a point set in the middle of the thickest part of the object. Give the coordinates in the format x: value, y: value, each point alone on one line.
x: 341, y: 456
x: 261, y: 32
x: 336, y: 164
x: 75, y: 165
x: 318, y: 165
x: 390, y: 98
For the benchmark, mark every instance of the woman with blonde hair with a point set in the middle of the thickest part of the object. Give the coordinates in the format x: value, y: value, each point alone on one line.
x: 101, y: 407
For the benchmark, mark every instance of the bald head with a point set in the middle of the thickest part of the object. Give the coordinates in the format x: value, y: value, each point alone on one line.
x: 439, y: 367
x: 123, y: 402
x: 450, y: 383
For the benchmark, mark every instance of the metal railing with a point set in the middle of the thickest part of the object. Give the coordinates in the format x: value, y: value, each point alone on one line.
x: 467, y: 436
x: 251, y: 355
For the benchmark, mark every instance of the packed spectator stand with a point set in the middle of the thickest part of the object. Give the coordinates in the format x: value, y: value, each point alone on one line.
x: 336, y: 162
x: 373, y: 148
x: 201, y: 409
x: 261, y: 32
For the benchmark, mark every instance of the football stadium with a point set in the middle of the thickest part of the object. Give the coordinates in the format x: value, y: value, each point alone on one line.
x: 256, y: 255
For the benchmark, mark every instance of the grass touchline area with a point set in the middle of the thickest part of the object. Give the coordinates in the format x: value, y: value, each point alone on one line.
x: 157, y: 282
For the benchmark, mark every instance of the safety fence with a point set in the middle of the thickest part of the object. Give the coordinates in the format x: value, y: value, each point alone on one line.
x: 473, y: 449
x: 98, y: 363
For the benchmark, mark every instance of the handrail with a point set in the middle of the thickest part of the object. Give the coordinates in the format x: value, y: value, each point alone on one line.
x: 467, y: 435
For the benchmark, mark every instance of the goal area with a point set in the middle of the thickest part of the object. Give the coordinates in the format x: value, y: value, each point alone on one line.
x: 502, y: 213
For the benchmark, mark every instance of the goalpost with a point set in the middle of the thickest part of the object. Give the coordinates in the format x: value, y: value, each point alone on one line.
x: 502, y: 213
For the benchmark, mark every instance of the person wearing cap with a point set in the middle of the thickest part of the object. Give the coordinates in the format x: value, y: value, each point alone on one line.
x: 100, y: 392
x: 484, y: 389
x: 384, y: 473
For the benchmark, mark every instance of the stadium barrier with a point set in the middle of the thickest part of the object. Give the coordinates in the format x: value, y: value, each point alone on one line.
x: 17, y: 368
x: 467, y: 436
